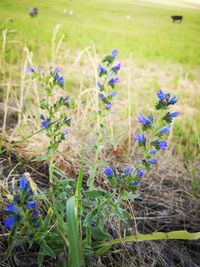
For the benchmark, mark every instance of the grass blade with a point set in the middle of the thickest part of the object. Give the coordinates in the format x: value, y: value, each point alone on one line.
x: 75, y: 255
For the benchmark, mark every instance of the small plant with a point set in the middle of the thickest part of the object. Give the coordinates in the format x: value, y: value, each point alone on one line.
x: 75, y: 225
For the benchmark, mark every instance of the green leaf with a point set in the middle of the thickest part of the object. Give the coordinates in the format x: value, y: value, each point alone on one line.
x: 89, y: 217
x: 90, y: 180
x: 96, y: 193
x: 177, y: 235
x: 99, y: 234
x: 75, y: 254
x: 78, y: 203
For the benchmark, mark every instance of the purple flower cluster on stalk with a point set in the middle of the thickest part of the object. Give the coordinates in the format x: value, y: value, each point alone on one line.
x: 107, y: 72
x: 22, y: 211
x: 52, y: 120
x: 129, y: 178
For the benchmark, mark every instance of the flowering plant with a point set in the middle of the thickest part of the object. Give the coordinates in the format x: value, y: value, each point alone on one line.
x: 76, y: 222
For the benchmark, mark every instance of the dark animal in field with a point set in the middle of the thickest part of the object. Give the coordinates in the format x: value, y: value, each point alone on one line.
x: 177, y: 18
x: 33, y: 11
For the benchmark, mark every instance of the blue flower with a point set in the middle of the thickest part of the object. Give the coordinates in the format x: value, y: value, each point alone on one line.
x: 56, y: 70
x: 101, y: 96
x: 101, y: 70
x: 31, y: 204
x: 165, y: 98
x: 161, y: 95
x: 162, y: 145
x: 172, y: 115
x: 108, y: 171
x: 10, y: 209
x: 117, y: 67
x: 113, y: 94
x: 42, y: 117
x: 152, y: 161
x: 141, y: 139
x: 114, y: 53
x: 23, y: 183
x: 113, y: 81
x: 66, y: 132
x: 135, y: 182
x: 109, y: 105
x: 9, y: 222
x: 45, y: 124
x: 59, y: 79
x: 173, y: 100
x: 139, y: 173
x: 127, y: 171
x: 30, y: 69
x: 165, y: 129
x: 144, y: 121
x: 36, y: 213
x: 153, y: 151
x: 118, y: 179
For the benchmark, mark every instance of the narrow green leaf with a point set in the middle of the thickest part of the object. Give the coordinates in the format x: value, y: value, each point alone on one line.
x: 178, y: 235
x: 79, y: 187
x: 75, y: 255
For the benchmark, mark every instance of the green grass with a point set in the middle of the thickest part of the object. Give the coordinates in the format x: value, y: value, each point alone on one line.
x: 148, y: 34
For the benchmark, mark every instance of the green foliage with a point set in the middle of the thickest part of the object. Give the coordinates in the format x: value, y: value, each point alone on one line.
x: 75, y: 254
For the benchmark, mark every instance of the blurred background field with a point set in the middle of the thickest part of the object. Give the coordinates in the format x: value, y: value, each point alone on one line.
x: 155, y: 53
x: 142, y: 28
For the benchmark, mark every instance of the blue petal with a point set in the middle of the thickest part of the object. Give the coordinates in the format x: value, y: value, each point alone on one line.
x: 9, y: 222
x: 31, y: 204
x: 23, y: 183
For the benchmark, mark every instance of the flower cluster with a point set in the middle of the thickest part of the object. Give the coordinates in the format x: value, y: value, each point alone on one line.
x: 127, y: 179
x: 22, y: 211
x: 107, y: 72
x: 53, y: 121
x: 158, y: 129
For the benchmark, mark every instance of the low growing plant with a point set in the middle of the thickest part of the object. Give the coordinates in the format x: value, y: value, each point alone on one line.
x: 73, y: 222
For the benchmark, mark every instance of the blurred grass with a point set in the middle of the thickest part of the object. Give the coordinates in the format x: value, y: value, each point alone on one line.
x: 143, y: 29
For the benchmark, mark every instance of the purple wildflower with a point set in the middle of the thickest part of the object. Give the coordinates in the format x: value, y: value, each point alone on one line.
x: 141, y: 139
x: 108, y: 171
x: 101, y: 96
x: 144, y: 121
x: 45, y: 124
x: 128, y: 171
x: 139, y: 173
x: 135, y: 182
x: 114, y: 53
x: 113, y: 94
x: 152, y: 161
x: 165, y: 129
x: 31, y: 204
x: 109, y: 105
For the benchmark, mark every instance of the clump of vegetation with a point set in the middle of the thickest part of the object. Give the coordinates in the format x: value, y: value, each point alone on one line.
x: 69, y: 221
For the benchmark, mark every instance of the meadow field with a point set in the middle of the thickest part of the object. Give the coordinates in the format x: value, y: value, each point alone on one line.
x: 155, y: 54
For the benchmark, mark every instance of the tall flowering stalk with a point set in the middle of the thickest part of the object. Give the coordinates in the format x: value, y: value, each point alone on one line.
x: 151, y: 138
x: 107, y: 73
x: 54, y: 122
